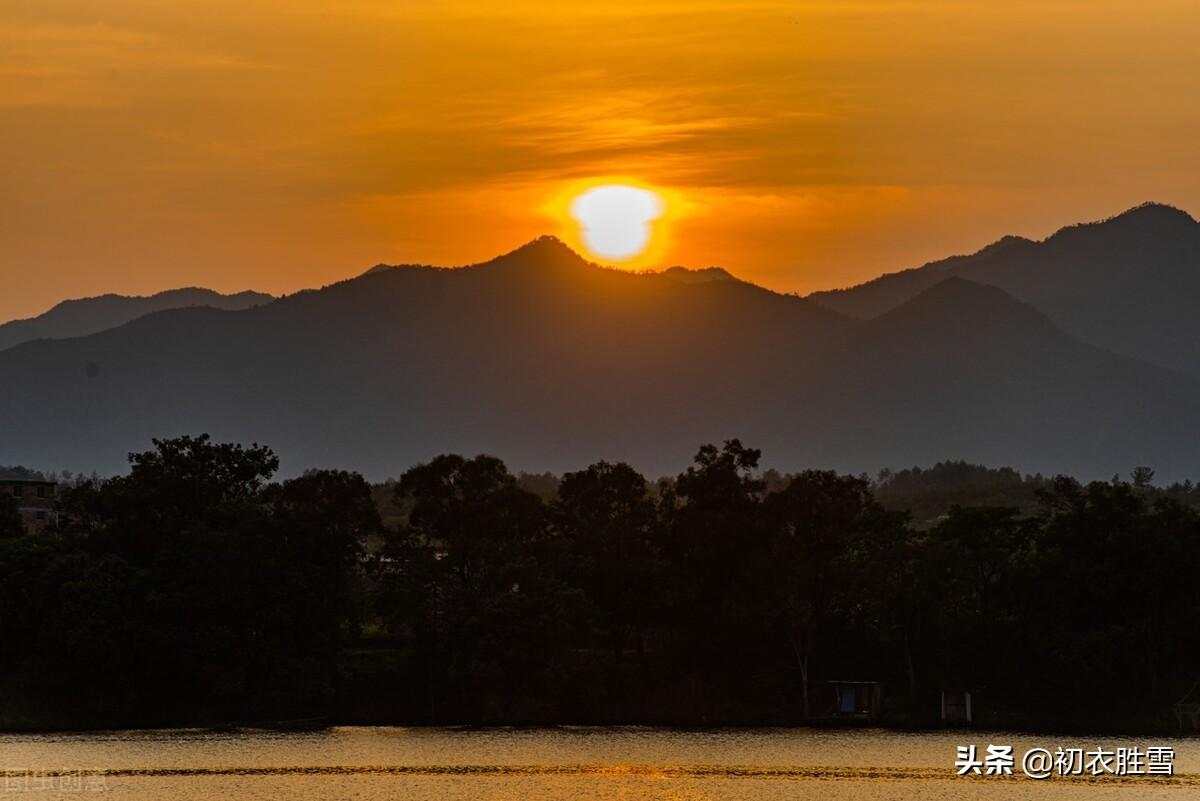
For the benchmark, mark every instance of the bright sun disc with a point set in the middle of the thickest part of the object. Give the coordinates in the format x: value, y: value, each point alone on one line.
x: 615, y: 219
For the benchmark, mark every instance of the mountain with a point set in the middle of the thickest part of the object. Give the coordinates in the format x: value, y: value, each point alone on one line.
x: 77, y: 318
x: 963, y: 368
x: 551, y: 362
x: 698, y: 276
x: 1129, y: 284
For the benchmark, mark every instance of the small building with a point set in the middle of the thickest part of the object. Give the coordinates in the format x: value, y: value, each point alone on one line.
x: 1187, y: 709
x: 37, y: 501
x: 1187, y: 714
x: 854, y: 700
x: 956, y: 707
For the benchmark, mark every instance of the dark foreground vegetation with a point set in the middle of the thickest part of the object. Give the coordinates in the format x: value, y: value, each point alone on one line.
x: 194, y: 591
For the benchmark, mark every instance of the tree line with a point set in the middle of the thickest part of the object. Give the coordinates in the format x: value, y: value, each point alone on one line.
x: 194, y: 590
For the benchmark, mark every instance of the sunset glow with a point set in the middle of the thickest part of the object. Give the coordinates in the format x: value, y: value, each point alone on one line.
x: 731, y: 400
x: 277, y: 146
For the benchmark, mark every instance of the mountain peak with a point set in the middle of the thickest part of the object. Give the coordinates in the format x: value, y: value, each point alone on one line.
x: 1146, y: 220
x: 1008, y: 242
x: 546, y: 249
x: 1151, y: 210
x: 957, y: 303
x: 82, y: 316
x: 699, y: 275
x: 958, y: 290
x: 544, y: 255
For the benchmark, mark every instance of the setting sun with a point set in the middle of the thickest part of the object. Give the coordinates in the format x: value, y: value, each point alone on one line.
x: 614, y: 220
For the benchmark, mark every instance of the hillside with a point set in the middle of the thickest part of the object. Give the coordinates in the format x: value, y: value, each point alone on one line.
x: 76, y: 318
x: 550, y: 361
x: 1128, y: 284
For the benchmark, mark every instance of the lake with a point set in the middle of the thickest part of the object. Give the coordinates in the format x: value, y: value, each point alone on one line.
x: 630, y: 764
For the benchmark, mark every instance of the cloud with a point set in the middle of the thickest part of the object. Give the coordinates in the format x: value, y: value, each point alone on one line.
x: 815, y: 140
x: 82, y: 66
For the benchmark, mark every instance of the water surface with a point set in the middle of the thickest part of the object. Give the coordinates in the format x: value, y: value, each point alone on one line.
x: 630, y: 764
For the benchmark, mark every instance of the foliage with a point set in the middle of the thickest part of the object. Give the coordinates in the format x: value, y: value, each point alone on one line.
x: 194, y: 590
x: 11, y: 524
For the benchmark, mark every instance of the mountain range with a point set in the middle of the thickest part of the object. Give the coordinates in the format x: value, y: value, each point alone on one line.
x: 77, y: 318
x: 1129, y: 284
x: 552, y: 362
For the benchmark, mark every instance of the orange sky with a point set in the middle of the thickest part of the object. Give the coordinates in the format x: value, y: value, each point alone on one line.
x: 279, y: 144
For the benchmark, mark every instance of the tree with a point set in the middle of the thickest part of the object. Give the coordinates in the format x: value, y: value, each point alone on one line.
x: 610, y: 523
x: 829, y: 537
x: 976, y: 564
x: 715, y: 549
x: 11, y: 524
x: 181, y: 483
x: 476, y: 554
x: 473, y: 512
x: 1122, y: 608
x: 82, y: 653
x: 326, y: 517
x: 1142, y: 477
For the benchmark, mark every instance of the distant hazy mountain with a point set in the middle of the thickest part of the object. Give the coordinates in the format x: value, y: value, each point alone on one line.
x: 1130, y: 284
x: 76, y: 318
x: 551, y: 362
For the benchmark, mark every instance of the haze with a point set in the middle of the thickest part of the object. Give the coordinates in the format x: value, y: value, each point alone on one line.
x: 278, y: 145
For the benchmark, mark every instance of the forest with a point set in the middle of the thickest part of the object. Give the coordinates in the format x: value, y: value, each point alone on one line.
x: 195, y: 590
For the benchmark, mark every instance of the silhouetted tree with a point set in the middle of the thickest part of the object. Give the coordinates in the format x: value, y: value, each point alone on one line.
x: 326, y: 517
x: 180, y: 484
x: 611, y: 524
x: 827, y: 532
x: 193, y: 591
x: 11, y: 524
x: 975, y: 568
x: 717, y: 549
x: 477, y: 551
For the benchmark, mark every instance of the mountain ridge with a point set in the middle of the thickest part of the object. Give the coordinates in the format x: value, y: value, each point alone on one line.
x: 1127, y: 283
x: 83, y: 316
x: 548, y: 367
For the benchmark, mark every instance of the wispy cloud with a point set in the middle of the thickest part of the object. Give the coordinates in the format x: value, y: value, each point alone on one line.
x: 83, y: 65
x: 816, y: 142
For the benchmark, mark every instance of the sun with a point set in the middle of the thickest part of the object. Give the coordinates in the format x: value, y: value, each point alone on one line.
x: 615, y: 219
